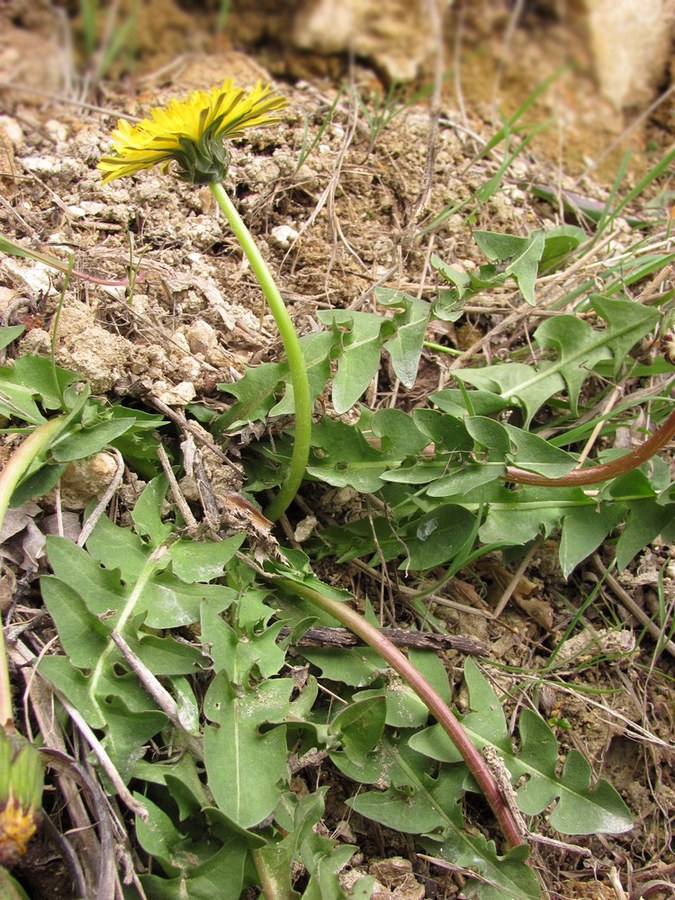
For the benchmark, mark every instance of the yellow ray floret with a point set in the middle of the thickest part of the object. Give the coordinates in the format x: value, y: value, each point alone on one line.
x: 191, y: 132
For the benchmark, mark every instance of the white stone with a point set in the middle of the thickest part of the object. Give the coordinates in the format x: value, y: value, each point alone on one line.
x: 34, y: 276
x: 202, y: 338
x: 179, y: 395
x: 305, y: 528
x: 179, y: 339
x: 87, y: 478
x: 283, y: 236
x: 631, y: 42
x: 58, y: 237
x: 92, y: 207
x: 117, y: 292
x: 42, y: 164
x: 56, y: 129
x: 11, y: 130
x: 7, y: 294
x: 398, y: 36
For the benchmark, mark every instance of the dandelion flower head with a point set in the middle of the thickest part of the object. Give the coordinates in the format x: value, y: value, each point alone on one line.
x: 191, y: 132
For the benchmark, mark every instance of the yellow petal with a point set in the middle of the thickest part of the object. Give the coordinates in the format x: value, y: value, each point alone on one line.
x: 224, y: 111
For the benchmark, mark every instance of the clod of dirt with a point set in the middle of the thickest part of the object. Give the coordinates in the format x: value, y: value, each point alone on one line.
x: 305, y: 528
x: 85, y: 346
x: 31, y: 60
x: 31, y: 278
x: 87, y: 478
x: 176, y: 395
x: 203, y: 339
x: 371, y: 29
x: 395, y: 879
x: 283, y: 236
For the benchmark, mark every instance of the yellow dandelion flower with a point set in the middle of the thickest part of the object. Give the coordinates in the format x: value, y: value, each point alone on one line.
x: 21, y: 782
x: 17, y: 827
x: 191, y: 132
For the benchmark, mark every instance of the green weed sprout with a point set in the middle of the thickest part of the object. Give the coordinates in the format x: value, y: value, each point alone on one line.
x: 191, y: 133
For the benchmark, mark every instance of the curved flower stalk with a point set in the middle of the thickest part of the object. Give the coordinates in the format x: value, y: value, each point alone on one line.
x: 603, y: 472
x: 400, y: 663
x: 191, y: 133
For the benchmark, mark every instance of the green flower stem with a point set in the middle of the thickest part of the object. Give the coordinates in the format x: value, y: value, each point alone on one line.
x: 296, y: 363
x: 431, y: 345
x: 434, y: 702
x: 19, y: 463
x: 22, y: 458
x: 6, y: 711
